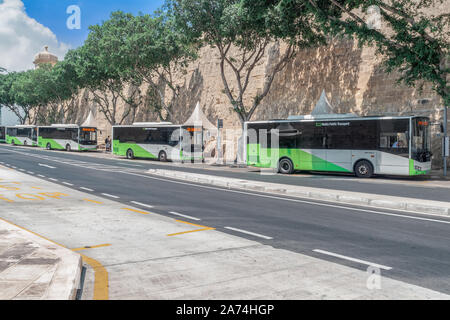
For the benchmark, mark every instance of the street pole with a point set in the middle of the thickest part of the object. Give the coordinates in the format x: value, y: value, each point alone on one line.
x: 445, y: 143
x: 219, y: 142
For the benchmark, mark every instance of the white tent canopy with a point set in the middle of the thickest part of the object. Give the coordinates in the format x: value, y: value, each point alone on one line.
x: 90, y: 121
x: 323, y: 106
x: 199, y: 118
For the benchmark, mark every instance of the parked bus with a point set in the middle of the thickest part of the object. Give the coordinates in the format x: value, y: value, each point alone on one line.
x: 2, y: 134
x: 67, y: 137
x: 23, y: 135
x: 360, y: 145
x: 163, y: 141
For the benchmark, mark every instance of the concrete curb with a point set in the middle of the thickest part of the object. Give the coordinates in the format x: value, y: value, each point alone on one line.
x: 355, y: 198
x: 65, y: 281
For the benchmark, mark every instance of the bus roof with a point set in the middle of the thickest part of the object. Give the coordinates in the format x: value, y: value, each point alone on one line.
x: 322, y: 118
x: 148, y: 124
x: 65, y: 126
x: 151, y: 123
x: 22, y: 126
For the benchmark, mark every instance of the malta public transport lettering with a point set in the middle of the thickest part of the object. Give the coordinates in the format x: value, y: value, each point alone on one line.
x: 333, y: 124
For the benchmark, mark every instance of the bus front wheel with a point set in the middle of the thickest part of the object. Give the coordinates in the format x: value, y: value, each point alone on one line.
x: 363, y: 169
x: 68, y: 148
x: 49, y: 146
x: 285, y: 166
x: 130, y: 154
x: 162, y: 156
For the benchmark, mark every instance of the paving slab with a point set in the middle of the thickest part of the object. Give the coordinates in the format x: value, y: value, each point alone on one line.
x: 32, y: 268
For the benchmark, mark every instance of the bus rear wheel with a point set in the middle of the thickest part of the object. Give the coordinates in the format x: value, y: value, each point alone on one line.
x: 285, y: 166
x: 130, y: 154
x: 162, y: 156
x: 68, y: 148
x: 49, y: 146
x: 363, y: 169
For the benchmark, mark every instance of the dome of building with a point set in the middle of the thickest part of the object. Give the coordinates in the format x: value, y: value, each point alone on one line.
x: 45, y: 57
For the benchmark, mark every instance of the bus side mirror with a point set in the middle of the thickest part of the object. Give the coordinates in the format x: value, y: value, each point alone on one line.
x: 441, y: 125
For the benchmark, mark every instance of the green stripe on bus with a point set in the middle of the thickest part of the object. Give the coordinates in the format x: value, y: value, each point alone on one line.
x: 120, y: 149
x: 413, y: 171
x: 302, y: 160
x: 53, y: 144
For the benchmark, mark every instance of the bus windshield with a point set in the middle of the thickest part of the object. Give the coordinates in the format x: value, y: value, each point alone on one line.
x: 88, y: 136
x: 421, y: 138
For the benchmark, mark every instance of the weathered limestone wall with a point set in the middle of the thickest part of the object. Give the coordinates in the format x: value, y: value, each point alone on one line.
x: 351, y: 76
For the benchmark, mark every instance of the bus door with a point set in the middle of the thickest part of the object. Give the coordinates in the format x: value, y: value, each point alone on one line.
x: 313, y: 144
x: 192, y: 144
x: 34, y: 136
x: 339, y: 146
x: 2, y: 134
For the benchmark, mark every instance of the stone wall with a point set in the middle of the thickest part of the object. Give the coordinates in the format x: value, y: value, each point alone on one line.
x: 352, y: 77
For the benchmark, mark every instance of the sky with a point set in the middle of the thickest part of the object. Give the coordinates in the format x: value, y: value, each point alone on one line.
x: 26, y: 26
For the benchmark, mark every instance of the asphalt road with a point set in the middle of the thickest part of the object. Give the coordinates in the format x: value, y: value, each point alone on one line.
x: 409, y: 187
x: 416, y: 247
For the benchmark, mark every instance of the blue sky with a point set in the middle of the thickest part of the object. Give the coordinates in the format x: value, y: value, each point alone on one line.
x: 52, y: 14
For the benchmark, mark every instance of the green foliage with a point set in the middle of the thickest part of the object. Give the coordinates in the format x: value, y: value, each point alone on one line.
x: 242, y: 31
x: 411, y: 41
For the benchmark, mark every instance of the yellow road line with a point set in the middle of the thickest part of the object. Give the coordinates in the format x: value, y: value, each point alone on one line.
x: 100, y: 273
x: 93, y: 201
x: 92, y: 247
x: 138, y: 211
x: 101, y: 291
x: 203, y: 228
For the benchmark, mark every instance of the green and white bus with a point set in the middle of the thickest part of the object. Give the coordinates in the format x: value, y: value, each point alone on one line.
x: 23, y: 135
x: 2, y: 134
x: 67, y: 137
x: 158, y: 140
x: 361, y: 145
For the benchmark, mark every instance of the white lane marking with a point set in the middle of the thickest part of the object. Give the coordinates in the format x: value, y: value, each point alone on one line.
x: 53, y: 179
x: 46, y: 165
x: 250, y: 233
x: 22, y: 170
x: 110, y: 195
x: 68, y: 184
x: 30, y: 172
x: 128, y: 164
x: 301, y: 201
x: 142, y: 204
x: 380, y: 266
x: 87, y: 189
x: 184, y: 216
x: 280, y: 198
x: 40, y: 175
x: 14, y: 167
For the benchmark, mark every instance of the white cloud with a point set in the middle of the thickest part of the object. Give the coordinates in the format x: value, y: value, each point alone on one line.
x: 22, y: 37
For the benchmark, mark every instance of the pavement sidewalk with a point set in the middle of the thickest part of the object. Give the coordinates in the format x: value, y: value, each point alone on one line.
x: 137, y: 254
x: 32, y: 268
x: 440, y: 208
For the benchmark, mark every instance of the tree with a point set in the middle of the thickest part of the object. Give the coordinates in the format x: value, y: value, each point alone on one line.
x: 156, y: 51
x: 18, y: 95
x: 97, y: 69
x: 242, y: 35
x: 412, y: 40
x: 60, y: 87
